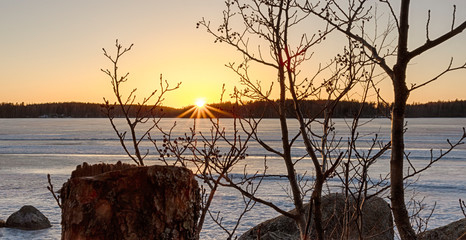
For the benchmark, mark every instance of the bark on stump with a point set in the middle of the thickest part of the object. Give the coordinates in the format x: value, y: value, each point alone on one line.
x: 156, y: 202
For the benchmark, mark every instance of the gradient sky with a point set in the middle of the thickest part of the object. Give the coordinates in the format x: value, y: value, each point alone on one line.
x: 51, y: 51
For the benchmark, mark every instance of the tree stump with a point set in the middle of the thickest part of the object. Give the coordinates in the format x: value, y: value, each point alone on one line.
x: 156, y: 202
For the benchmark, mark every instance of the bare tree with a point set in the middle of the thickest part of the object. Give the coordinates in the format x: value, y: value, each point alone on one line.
x: 282, y: 46
x: 274, y: 26
x: 134, y: 113
x: 335, y: 15
x: 211, y: 156
x: 195, y: 150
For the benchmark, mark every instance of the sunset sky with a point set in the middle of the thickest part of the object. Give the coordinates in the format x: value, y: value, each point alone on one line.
x: 51, y: 51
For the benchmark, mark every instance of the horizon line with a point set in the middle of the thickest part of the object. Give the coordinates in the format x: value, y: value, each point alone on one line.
x: 217, y: 103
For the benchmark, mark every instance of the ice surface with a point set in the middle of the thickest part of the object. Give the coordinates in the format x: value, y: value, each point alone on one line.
x: 31, y: 148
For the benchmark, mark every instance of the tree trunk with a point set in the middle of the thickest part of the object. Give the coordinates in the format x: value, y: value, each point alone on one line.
x: 317, y: 201
x: 397, y: 136
x: 396, y: 167
x: 157, y: 202
x: 291, y: 171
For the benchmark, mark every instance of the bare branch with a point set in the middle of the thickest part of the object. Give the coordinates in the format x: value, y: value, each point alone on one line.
x: 50, y: 188
x: 427, y: 26
x: 230, y: 183
x: 447, y: 70
x: 392, y: 12
x: 454, y: 18
x: 133, y: 113
x: 462, y: 206
x: 433, y: 43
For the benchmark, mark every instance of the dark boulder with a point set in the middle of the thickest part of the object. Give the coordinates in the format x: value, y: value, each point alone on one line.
x: 28, y: 218
x: 2, y: 223
x: 454, y: 230
x: 377, y: 221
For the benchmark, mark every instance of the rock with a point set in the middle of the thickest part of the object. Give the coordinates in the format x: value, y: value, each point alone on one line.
x: 455, y: 230
x: 156, y: 202
x: 2, y: 223
x: 28, y: 218
x: 377, y: 222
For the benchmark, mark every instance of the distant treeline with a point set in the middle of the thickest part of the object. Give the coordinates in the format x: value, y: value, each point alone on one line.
x: 252, y: 109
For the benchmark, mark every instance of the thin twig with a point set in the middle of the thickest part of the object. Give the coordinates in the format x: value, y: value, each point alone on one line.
x: 50, y: 188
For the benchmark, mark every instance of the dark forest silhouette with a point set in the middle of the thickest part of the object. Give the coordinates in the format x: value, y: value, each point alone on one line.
x: 252, y: 109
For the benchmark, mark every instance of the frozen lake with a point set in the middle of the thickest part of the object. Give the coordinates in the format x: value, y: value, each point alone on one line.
x: 31, y: 148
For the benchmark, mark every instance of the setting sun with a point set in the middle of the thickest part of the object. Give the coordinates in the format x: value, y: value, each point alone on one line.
x: 202, y: 110
x: 200, y: 102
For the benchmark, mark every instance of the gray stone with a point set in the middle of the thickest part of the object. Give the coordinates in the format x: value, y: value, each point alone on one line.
x: 454, y: 230
x: 377, y: 222
x: 28, y: 218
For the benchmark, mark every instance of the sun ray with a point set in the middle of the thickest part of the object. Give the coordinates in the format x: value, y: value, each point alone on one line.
x: 218, y: 110
x: 187, y: 112
x: 202, y: 110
